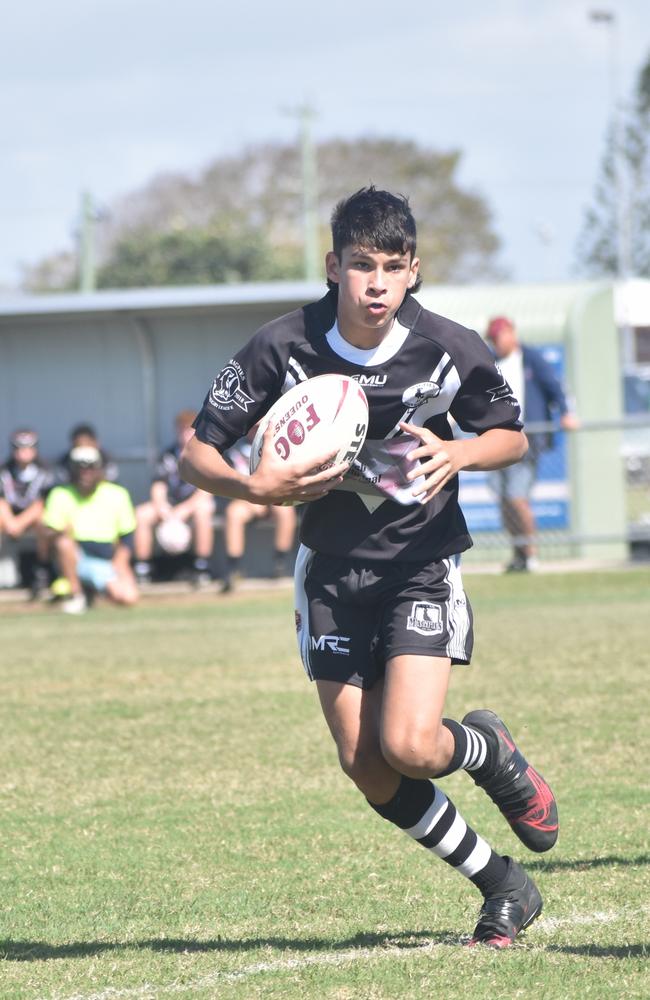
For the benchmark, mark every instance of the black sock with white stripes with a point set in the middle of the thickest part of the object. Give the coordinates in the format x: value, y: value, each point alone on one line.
x: 428, y: 816
x: 471, y: 751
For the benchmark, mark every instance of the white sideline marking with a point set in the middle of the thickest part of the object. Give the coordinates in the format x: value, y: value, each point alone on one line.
x: 548, y: 924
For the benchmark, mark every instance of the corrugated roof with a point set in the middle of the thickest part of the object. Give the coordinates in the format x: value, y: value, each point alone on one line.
x: 530, y: 305
x: 138, y: 300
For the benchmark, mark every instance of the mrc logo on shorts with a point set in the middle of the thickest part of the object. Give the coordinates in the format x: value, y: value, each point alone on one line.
x: 425, y: 618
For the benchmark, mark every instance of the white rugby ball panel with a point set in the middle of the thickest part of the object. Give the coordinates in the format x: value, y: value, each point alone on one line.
x: 321, y: 413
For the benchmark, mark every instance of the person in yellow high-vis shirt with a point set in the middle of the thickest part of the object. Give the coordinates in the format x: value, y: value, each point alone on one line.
x: 91, y: 522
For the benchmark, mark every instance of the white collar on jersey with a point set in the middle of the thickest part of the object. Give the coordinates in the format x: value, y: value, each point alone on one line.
x: 383, y: 352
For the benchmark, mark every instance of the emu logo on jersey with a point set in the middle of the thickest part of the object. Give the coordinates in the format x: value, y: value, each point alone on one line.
x: 418, y: 394
x: 370, y: 379
x: 226, y: 389
x: 425, y: 618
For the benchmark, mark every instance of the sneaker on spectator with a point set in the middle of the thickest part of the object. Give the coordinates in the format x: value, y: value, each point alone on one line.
x: 230, y: 581
x: 142, y: 571
x: 40, y: 584
x: 522, y: 564
x: 75, y: 605
x: 60, y: 589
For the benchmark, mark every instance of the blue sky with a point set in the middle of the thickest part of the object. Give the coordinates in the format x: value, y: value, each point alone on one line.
x: 102, y: 95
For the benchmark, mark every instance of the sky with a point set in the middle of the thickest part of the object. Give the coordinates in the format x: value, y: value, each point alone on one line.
x: 102, y: 95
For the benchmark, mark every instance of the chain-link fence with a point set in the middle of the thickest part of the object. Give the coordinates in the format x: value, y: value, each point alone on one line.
x: 590, y: 499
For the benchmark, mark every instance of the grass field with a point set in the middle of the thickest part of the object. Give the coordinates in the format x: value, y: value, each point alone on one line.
x: 173, y: 822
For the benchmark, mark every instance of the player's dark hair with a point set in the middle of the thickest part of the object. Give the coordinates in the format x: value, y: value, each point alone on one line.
x: 375, y: 220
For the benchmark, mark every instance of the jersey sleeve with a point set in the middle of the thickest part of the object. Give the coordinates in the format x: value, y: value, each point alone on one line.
x: 484, y: 400
x: 58, y: 510
x: 242, y: 392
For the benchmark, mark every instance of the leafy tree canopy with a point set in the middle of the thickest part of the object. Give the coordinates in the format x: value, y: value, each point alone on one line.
x: 241, y: 218
x: 616, y: 231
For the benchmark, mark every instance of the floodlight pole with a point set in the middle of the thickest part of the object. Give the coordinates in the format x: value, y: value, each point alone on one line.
x: 623, y: 255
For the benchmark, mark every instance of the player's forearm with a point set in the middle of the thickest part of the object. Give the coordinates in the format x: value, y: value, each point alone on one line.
x: 495, y: 449
x: 203, y: 466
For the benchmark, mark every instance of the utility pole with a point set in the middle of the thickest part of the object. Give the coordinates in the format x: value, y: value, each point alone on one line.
x: 87, y: 244
x: 309, y: 184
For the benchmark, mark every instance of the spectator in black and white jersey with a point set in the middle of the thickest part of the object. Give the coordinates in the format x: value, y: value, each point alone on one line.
x: 24, y: 482
x: 84, y: 435
x: 172, y: 500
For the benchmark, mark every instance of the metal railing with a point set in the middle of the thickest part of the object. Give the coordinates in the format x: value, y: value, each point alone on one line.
x: 591, y: 496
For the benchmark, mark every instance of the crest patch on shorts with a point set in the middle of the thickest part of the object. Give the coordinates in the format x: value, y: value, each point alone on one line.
x: 425, y: 618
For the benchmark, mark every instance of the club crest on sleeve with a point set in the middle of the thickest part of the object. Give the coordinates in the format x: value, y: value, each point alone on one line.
x: 425, y: 618
x: 227, y: 391
x: 500, y: 391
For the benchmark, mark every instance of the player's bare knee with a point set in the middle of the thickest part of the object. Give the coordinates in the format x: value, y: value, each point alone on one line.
x: 414, y: 754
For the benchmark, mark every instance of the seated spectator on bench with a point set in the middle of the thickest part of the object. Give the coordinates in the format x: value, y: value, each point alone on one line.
x: 85, y: 436
x: 173, y: 500
x: 239, y: 513
x: 91, y: 523
x: 24, y: 483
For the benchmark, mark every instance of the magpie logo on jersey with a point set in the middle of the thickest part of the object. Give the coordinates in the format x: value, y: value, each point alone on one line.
x: 227, y: 391
x: 418, y: 394
x: 425, y: 618
x: 331, y: 642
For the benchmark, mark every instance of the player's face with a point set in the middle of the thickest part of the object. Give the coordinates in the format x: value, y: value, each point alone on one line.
x: 372, y: 286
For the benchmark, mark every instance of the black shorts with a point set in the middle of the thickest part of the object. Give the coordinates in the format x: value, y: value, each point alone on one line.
x: 352, y: 617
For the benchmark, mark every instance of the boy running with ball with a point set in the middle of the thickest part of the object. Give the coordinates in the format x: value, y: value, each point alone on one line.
x: 380, y: 607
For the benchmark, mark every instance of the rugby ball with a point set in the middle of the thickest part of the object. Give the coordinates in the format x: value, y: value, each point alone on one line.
x: 321, y: 413
x: 174, y: 535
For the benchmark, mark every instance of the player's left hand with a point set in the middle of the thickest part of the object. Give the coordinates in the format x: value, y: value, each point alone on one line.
x: 439, y: 461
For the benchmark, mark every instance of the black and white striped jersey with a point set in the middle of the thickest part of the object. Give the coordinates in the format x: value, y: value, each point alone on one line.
x: 22, y: 485
x: 426, y: 369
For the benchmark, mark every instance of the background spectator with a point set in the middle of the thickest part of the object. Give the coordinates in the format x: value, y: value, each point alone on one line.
x: 239, y: 513
x: 541, y: 398
x: 85, y: 436
x: 92, y: 522
x: 24, y: 483
x: 172, y: 499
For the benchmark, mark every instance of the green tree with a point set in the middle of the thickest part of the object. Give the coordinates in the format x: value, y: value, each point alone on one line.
x: 241, y: 219
x: 598, y: 249
x: 195, y: 256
